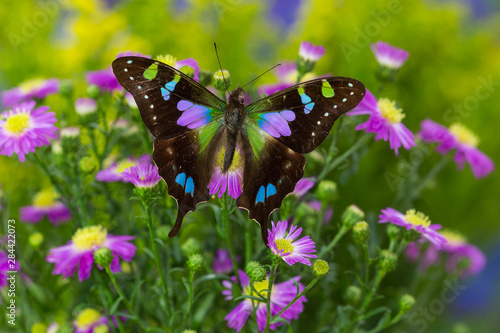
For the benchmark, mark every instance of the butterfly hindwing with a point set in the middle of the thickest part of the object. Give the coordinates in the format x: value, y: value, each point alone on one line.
x: 170, y: 102
x: 301, y: 116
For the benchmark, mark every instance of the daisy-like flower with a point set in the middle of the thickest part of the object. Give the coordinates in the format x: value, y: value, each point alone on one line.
x: 46, y: 203
x: 79, y: 252
x: 232, y: 180
x: 385, y: 121
x: 281, y: 295
x: 34, y: 88
x: 187, y: 66
x: 222, y: 262
x: 458, y: 137
x: 286, y: 245
x: 303, y: 186
x: 388, y: 55
x: 310, y: 52
x: 458, y: 249
x: 142, y: 175
x: 24, y: 128
x: 85, y: 106
x: 113, y: 173
x: 90, y: 320
x: 5, y: 267
x: 416, y: 221
x: 104, y: 79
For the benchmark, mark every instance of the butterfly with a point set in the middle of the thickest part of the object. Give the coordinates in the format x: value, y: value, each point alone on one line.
x: 204, y: 145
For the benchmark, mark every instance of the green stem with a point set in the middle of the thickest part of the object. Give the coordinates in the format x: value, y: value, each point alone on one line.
x: 306, y: 289
x: 190, y: 297
x: 366, y: 255
x: 274, y: 270
x: 431, y: 174
x: 334, y: 241
x: 378, y: 278
x: 227, y: 233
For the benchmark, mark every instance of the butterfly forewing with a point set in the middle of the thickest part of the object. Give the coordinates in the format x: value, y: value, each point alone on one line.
x: 170, y: 102
x: 301, y: 116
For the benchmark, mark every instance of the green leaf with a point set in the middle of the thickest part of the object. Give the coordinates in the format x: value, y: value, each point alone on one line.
x: 113, y: 308
x: 149, y: 253
x: 375, y: 311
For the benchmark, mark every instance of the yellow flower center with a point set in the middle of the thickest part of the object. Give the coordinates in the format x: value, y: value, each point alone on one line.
x: 103, y: 328
x: 237, y: 160
x: 29, y: 85
x: 259, y: 286
x: 463, y: 134
x: 125, y: 164
x: 45, y: 198
x: 390, y: 111
x: 285, y: 245
x: 17, y: 123
x: 167, y: 59
x: 453, y: 237
x: 87, y: 318
x: 89, y: 237
x: 218, y: 74
x: 417, y: 218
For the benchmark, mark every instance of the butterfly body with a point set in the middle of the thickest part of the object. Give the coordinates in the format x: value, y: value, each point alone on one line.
x: 204, y: 146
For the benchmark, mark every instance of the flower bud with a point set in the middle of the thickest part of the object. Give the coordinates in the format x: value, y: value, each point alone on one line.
x: 70, y: 139
x: 320, y: 268
x: 255, y: 271
x: 36, y: 239
x: 93, y: 91
x: 206, y: 77
x: 189, y: 331
x: 351, y: 215
x: 125, y: 267
x: 406, y: 303
x: 195, y: 262
x: 103, y: 256
x: 85, y: 106
x: 167, y: 59
x: 219, y: 78
x: 327, y: 191
x: 388, y: 260
x: 393, y: 231
x: 188, y: 70
x: 361, y: 232
x: 88, y: 164
x: 309, y: 54
x: 353, y: 294
x: 39, y: 328
x: 190, y: 246
x: 66, y: 88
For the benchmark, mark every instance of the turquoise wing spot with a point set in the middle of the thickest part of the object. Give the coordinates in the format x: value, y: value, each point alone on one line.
x: 190, y: 186
x: 308, y: 107
x: 261, y: 195
x: 271, y: 190
x: 306, y: 100
x: 169, y: 87
x: 181, y: 179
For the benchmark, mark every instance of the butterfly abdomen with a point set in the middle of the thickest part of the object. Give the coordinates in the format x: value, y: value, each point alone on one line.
x: 234, y: 119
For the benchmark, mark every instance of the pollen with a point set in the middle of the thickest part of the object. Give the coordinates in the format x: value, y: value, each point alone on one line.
x: 218, y: 74
x: 389, y: 111
x: 417, y: 218
x: 453, y: 237
x: 464, y: 135
x: 167, y: 59
x: 89, y: 237
x: 125, y: 164
x: 30, y: 85
x: 261, y: 287
x: 237, y: 160
x: 17, y: 123
x: 45, y: 198
x: 284, y: 246
x: 87, y: 318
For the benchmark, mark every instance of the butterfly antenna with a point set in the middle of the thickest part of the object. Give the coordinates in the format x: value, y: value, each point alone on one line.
x: 220, y: 66
x: 270, y: 69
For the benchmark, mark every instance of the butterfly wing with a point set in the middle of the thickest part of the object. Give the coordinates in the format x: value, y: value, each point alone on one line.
x: 280, y: 129
x: 186, y: 121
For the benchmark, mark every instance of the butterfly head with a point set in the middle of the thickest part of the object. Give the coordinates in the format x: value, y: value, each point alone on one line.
x: 237, y: 96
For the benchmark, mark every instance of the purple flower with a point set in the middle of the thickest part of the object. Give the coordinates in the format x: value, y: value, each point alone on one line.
x: 388, y: 55
x: 303, y: 186
x: 142, y: 175
x: 45, y: 203
x: 317, y: 206
x: 310, y: 52
x: 458, y: 249
x: 287, y: 75
x: 24, y: 128
x: 113, y: 173
x: 282, y: 294
x: 5, y: 267
x: 285, y: 244
x: 189, y: 62
x: 35, y: 88
x: 416, y: 221
x: 222, y: 262
x: 385, y: 121
x: 90, y: 321
x: 79, y: 252
x: 458, y: 137
x: 232, y: 180
x: 85, y: 106
x: 131, y: 54
x: 104, y: 79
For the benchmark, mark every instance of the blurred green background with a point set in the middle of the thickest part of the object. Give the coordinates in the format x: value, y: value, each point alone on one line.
x: 454, y: 49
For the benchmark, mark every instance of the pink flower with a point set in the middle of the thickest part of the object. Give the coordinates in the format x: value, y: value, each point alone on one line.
x: 303, y: 186
x: 458, y: 137
x: 114, y: 172
x: 24, y: 128
x: 5, y: 266
x: 232, y: 179
x: 385, y: 121
x: 142, y: 175
x: 45, y: 203
x: 222, y: 262
x: 79, y: 252
x: 85, y: 106
x: 35, y: 88
x: 285, y: 244
x: 310, y: 52
x: 388, y: 55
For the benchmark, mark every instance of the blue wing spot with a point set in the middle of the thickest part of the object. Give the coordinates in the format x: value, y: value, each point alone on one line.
x: 305, y: 99
x: 190, y: 186
x: 308, y: 107
x: 271, y: 190
x: 261, y: 195
x: 280, y: 181
x: 169, y: 87
x: 181, y: 179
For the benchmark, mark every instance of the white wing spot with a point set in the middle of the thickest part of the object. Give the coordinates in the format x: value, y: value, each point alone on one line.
x: 352, y: 93
x: 129, y: 62
x: 313, y: 134
x: 335, y: 106
x: 125, y: 70
x: 326, y: 114
x: 152, y: 106
x: 319, y: 122
x: 154, y: 118
x: 350, y: 85
x: 345, y: 99
x: 146, y: 96
x: 140, y: 87
x: 132, y: 78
